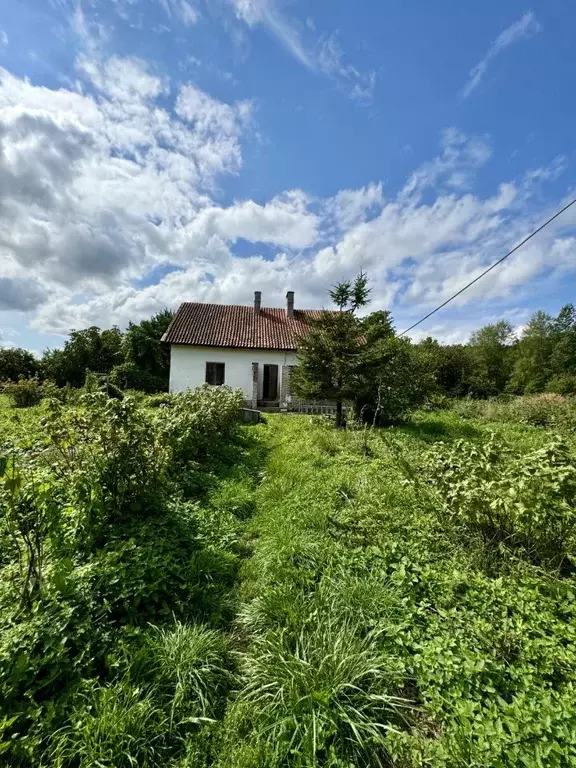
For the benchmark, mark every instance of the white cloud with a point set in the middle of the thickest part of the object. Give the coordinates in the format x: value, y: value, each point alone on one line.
x: 95, y: 189
x: 102, y: 186
x: 284, y: 221
x: 462, y: 155
x: 266, y: 12
x: 526, y: 27
x: 360, y: 85
x: 350, y: 207
x: 324, y: 55
x: 182, y: 10
x: 3, y: 37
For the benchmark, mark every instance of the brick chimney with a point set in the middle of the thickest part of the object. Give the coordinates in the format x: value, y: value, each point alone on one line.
x: 257, y: 302
x: 290, y: 304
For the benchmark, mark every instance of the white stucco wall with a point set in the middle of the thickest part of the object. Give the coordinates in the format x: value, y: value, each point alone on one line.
x: 188, y: 366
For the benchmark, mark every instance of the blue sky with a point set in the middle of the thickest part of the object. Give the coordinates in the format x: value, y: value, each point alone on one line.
x: 156, y: 151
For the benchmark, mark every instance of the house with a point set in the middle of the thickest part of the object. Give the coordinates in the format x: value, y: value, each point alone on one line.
x: 247, y: 348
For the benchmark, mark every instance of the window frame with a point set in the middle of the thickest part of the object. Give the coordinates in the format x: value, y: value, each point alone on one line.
x: 217, y: 367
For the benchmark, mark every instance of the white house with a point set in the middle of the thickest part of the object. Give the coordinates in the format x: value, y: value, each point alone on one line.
x: 247, y: 348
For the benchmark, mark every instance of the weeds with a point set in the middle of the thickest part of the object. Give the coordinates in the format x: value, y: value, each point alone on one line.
x: 211, y: 596
x: 105, y: 579
x: 380, y: 630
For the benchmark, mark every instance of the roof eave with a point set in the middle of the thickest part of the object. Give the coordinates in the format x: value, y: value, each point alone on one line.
x: 229, y: 346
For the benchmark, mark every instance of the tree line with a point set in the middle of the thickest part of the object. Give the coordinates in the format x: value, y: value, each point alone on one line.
x: 542, y: 358
x: 361, y: 360
x: 344, y: 357
x: 133, y: 359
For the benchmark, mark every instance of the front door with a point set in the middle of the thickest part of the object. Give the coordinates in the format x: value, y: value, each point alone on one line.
x: 270, y: 388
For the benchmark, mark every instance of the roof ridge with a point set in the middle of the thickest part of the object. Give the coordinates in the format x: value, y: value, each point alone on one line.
x: 249, y: 306
x: 206, y: 324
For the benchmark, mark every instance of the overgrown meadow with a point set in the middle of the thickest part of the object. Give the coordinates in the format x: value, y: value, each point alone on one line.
x: 181, y: 590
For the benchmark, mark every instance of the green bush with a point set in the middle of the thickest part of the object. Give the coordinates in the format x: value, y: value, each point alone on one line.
x: 195, y: 418
x: 110, y: 459
x: 51, y: 391
x: 529, y: 500
x: 24, y: 393
x: 164, y: 398
x: 129, y: 375
x: 549, y: 410
x: 97, y: 544
x: 564, y: 384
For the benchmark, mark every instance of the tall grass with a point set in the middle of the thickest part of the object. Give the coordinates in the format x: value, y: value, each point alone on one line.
x: 547, y: 410
x: 377, y: 630
x: 190, y: 667
x: 326, y: 691
x: 116, y: 726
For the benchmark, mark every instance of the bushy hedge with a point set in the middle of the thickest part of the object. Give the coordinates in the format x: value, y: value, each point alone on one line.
x: 110, y: 597
x: 24, y: 393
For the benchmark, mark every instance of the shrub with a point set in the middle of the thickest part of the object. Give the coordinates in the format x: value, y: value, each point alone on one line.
x: 529, y: 500
x: 97, y: 545
x: 164, y: 398
x: 196, y: 418
x: 129, y: 375
x: 101, y: 382
x: 542, y: 410
x: 564, y: 384
x: 51, y: 391
x: 549, y: 410
x: 110, y: 457
x: 24, y: 393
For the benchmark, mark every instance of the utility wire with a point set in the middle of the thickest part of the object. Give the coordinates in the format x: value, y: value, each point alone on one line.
x: 491, y: 267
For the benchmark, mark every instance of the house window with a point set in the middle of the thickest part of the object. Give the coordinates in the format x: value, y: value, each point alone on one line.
x: 215, y: 373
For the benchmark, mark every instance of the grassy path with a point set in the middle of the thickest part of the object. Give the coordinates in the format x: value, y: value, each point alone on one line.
x: 377, y: 634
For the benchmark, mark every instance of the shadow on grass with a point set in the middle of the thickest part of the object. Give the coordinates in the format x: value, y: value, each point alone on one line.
x: 434, y: 430
x: 241, y: 456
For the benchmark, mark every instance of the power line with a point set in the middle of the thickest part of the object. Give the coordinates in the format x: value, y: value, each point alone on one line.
x: 491, y: 267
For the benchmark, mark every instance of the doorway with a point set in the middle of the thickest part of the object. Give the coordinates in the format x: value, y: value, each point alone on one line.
x: 270, y: 387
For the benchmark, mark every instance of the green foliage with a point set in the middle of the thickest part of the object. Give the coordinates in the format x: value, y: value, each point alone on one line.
x: 372, y: 602
x: 395, y: 381
x: 532, y: 366
x: 116, y: 726
x: 528, y: 500
x: 329, y: 358
x: 469, y: 644
x: 190, y: 666
x: 563, y: 384
x: 147, y: 361
x: 345, y: 358
x: 112, y: 457
x: 89, y: 349
x: 322, y: 697
x: 133, y: 360
x: 105, y: 572
x: 24, y: 393
x: 351, y: 296
x: 492, y: 347
x: 191, y: 419
x: 16, y: 363
x: 330, y: 353
x: 156, y: 401
x: 535, y: 410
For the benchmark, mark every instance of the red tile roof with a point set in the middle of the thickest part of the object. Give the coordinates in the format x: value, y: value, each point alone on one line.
x: 226, y: 325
